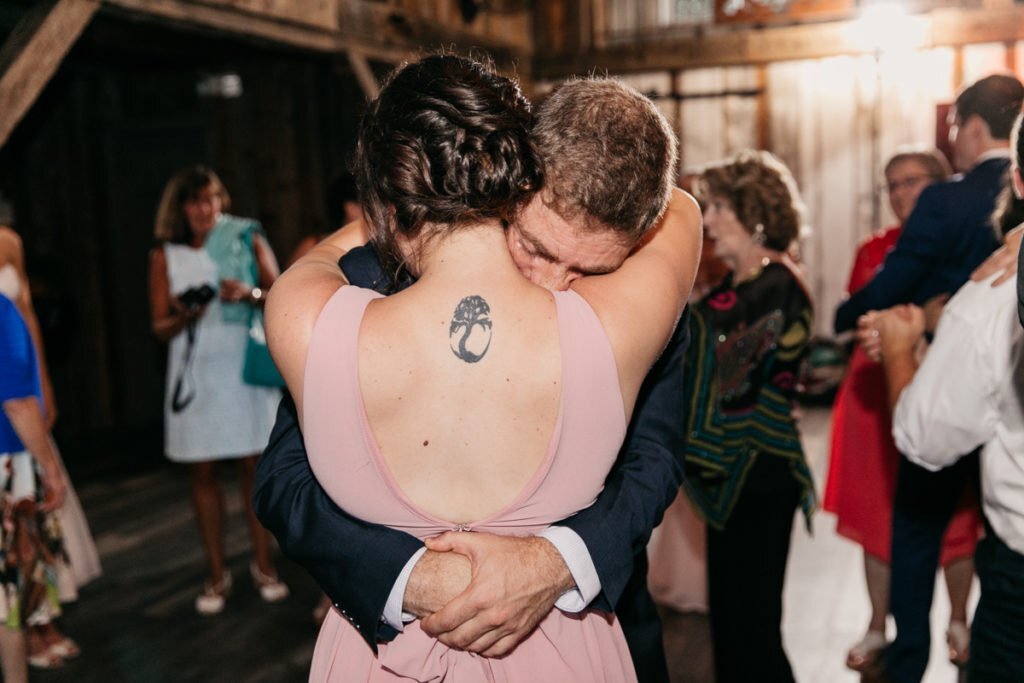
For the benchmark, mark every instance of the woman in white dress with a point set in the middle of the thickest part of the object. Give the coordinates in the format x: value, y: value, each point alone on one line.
x: 206, y: 277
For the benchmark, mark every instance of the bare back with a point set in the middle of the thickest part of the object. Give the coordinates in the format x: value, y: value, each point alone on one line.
x: 462, y: 389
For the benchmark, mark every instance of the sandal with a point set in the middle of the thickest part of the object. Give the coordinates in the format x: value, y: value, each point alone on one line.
x: 65, y: 648
x: 864, y: 653
x: 213, y: 598
x: 45, y: 660
x: 272, y: 589
x: 958, y: 637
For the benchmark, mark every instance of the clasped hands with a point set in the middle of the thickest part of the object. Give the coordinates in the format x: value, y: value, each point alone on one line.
x: 901, y: 328
x: 485, y: 593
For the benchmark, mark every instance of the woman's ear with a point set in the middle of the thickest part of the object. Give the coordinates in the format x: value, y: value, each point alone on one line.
x: 1018, y: 182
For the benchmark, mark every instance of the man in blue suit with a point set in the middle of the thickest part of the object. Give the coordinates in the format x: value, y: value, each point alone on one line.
x: 595, y: 558
x: 946, y: 237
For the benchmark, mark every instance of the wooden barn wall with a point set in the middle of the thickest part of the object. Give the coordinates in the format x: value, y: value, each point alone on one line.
x: 84, y: 172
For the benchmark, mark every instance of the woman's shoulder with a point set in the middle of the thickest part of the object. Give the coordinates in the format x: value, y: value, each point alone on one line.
x: 882, y: 239
x: 784, y: 278
x: 9, y: 239
x: 10, y: 246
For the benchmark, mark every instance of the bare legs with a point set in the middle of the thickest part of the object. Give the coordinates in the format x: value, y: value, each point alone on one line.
x: 878, y: 576
x: 959, y: 574
x: 13, y: 655
x: 208, y: 501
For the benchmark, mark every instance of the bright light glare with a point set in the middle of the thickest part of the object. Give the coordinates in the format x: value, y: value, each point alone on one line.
x: 886, y: 26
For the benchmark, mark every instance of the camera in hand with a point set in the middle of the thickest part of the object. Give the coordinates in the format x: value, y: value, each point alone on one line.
x: 194, y: 298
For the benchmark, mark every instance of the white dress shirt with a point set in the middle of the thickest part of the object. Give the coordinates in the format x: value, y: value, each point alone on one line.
x: 566, y: 541
x: 969, y: 392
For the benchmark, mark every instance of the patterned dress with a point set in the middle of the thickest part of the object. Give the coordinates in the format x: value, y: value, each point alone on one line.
x: 31, y: 550
x: 746, y: 345
x: 746, y: 472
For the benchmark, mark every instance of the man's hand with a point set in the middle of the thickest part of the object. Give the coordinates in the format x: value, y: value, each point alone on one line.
x: 1003, y: 260
x: 900, y: 329
x: 436, y: 579
x: 867, y: 335
x: 516, y: 581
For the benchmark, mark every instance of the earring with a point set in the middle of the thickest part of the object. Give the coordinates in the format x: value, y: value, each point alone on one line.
x: 759, y: 236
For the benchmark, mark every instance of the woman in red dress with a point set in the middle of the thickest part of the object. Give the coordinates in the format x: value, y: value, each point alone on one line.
x: 862, y: 471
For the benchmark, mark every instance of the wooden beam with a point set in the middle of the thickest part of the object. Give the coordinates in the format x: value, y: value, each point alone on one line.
x: 764, y: 129
x: 364, y: 74
x: 719, y: 46
x: 265, y: 29
x: 964, y: 27
x: 34, y: 51
x: 378, y: 41
x: 229, y: 20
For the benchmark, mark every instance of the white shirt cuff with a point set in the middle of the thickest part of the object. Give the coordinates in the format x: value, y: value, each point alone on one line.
x: 577, y: 558
x: 393, y: 615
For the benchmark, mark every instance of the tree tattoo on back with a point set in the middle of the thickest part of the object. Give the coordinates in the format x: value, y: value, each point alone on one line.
x: 471, y: 313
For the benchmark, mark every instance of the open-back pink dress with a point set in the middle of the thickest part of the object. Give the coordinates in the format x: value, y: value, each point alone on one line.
x: 590, y: 427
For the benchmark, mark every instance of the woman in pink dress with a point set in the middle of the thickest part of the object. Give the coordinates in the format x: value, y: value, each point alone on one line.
x: 473, y: 400
x: 862, y: 471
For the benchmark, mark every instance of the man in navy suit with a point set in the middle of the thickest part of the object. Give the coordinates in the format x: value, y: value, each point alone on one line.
x: 596, y: 558
x: 946, y: 237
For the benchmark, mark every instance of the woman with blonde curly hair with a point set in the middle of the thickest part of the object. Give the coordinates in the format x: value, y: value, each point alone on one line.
x: 747, y: 473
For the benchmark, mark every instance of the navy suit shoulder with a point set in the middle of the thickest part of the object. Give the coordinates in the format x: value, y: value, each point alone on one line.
x: 947, y: 236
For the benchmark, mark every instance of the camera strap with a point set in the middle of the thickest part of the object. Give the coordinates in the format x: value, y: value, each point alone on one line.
x: 184, y: 385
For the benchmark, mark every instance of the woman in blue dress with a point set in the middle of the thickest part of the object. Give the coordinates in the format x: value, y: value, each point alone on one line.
x: 30, y: 487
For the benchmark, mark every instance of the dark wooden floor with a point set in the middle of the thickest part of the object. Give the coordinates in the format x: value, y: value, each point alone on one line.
x: 137, y: 622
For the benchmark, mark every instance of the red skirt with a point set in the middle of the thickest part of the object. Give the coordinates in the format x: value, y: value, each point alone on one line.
x: 862, y: 470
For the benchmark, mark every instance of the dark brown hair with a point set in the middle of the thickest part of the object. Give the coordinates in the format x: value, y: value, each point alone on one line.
x: 609, y: 156
x: 996, y: 99
x: 185, y: 185
x: 761, y: 191
x: 446, y: 144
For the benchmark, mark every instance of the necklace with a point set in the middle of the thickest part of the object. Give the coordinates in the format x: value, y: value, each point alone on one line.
x: 756, y: 270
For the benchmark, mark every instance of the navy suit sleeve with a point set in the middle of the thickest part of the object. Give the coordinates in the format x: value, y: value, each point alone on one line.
x: 356, y: 563
x: 920, y: 246
x: 644, y: 481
